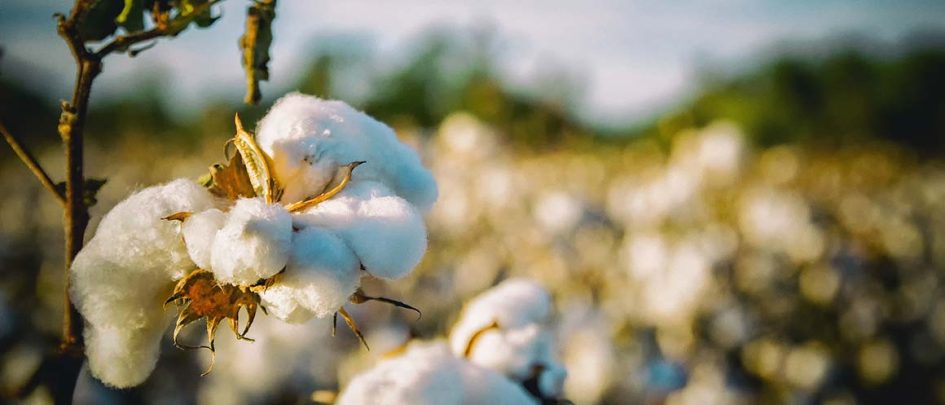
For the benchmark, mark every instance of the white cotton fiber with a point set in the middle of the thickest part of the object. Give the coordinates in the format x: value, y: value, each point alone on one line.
x: 281, y: 302
x: 484, y: 386
x: 321, y: 274
x: 512, y: 304
x: 386, y: 233
x: 122, y: 276
x: 253, y: 244
x: 513, y: 353
x: 428, y: 374
x: 308, y: 138
x: 520, y: 344
x: 199, y: 231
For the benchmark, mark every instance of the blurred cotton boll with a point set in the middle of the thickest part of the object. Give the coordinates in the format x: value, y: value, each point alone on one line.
x: 504, y: 329
x: 428, y: 373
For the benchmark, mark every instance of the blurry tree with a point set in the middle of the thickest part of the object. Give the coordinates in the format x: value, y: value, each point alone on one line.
x: 849, y: 96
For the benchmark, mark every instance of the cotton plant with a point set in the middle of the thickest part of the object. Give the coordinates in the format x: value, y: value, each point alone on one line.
x: 321, y: 196
x: 501, y: 351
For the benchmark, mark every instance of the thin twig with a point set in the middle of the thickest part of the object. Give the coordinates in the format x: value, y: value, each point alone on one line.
x: 31, y: 163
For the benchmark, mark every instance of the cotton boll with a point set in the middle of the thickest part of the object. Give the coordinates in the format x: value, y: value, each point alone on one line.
x: 123, y: 357
x: 136, y: 230
x: 512, y: 304
x: 124, y: 273
x: 321, y: 274
x: 425, y: 374
x: 307, y: 138
x: 199, y: 232
x: 513, y: 353
x: 385, y: 232
x: 253, y: 244
x: 484, y: 386
x: 428, y: 374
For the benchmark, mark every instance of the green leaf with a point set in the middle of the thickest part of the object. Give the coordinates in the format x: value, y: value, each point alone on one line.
x: 98, y: 21
x: 255, y: 44
x: 132, y: 16
x: 188, y: 11
x: 204, y: 19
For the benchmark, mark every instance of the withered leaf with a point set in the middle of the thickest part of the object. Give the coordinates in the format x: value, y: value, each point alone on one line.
x: 200, y: 296
x: 256, y: 162
x: 254, y: 45
x: 231, y: 180
x: 351, y: 324
x: 178, y: 216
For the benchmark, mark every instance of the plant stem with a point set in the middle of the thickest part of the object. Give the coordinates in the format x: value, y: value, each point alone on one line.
x: 31, y: 163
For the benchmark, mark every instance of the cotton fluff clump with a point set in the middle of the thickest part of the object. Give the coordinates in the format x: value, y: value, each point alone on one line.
x: 307, y: 138
x: 322, y: 272
x: 385, y: 231
x: 302, y: 264
x: 122, y: 276
x: 505, y: 330
x: 253, y: 244
x: 429, y: 374
x: 199, y: 231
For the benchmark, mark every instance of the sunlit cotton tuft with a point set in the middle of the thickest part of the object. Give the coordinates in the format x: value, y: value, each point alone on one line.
x: 122, y: 276
x: 308, y: 137
x: 504, y: 329
x: 253, y: 243
x: 302, y: 264
x: 429, y: 374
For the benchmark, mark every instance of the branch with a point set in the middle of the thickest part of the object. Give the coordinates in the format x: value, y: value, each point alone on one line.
x: 172, y: 28
x: 31, y: 163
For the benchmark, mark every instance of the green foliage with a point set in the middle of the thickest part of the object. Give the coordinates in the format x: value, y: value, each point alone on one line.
x: 132, y: 16
x: 846, y: 97
x: 98, y: 21
x: 103, y: 17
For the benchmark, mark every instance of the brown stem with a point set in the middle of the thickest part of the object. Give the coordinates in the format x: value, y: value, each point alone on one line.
x: 31, y: 163
x: 71, y: 128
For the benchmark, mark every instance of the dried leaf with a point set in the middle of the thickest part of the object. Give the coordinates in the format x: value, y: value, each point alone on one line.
x: 178, y: 216
x: 231, y: 180
x: 354, y: 327
x: 200, y: 296
x: 255, y: 44
x: 345, y: 172
x: 256, y: 162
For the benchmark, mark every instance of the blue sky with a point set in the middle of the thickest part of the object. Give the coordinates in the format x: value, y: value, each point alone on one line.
x: 634, y: 57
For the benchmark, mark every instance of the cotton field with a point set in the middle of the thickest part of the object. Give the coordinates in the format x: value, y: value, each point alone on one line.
x: 696, y: 269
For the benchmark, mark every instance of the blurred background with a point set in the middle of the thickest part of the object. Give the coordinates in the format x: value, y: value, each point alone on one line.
x: 731, y: 201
